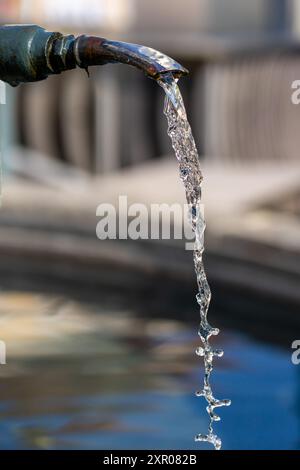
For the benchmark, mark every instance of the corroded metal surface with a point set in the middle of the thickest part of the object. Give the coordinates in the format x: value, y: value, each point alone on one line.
x: 91, y: 50
x: 29, y: 53
x: 24, y: 53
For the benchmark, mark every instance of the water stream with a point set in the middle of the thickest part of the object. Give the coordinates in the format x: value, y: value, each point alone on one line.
x: 186, y: 153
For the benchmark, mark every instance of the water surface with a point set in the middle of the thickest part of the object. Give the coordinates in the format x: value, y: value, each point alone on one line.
x: 84, y: 376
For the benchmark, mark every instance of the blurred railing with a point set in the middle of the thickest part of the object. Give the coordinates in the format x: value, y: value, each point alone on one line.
x: 238, y: 98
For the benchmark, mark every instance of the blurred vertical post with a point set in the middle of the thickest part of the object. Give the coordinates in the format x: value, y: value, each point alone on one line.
x: 7, y: 121
x: 294, y: 16
x: 2, y: 353
x: 2, y: 93
x: 108, y: 111
x: 2, y: 103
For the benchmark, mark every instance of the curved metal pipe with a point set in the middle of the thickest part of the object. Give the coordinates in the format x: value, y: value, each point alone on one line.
x: 91, y: 50
x: 29, y: 53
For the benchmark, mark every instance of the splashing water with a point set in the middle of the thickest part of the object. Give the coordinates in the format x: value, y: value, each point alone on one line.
x: 186, y: 153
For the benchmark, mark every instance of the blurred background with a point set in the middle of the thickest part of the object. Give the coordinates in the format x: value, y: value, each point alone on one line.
x: 100, y: 334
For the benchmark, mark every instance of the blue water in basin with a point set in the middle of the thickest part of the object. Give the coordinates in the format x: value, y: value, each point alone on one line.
x: 125, y: 382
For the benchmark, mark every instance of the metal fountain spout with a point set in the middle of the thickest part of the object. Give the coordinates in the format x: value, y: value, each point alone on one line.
x: 29, y: 53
